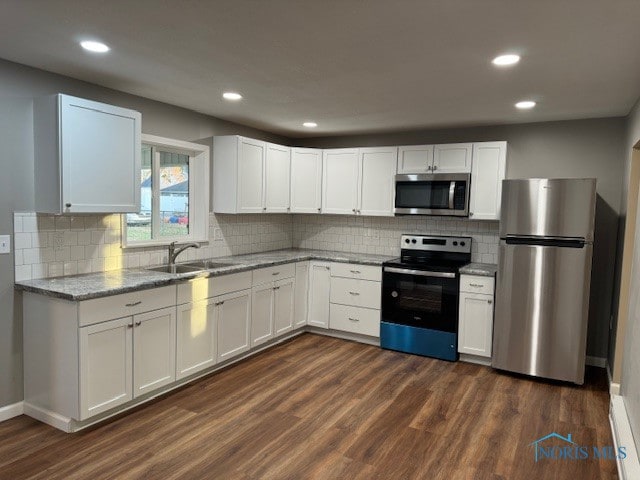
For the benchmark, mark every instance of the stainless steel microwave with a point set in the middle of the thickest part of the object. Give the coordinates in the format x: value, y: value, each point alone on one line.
x: 433, y: 194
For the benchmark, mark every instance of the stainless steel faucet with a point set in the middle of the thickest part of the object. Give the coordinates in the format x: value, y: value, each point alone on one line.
x: 173, y: 252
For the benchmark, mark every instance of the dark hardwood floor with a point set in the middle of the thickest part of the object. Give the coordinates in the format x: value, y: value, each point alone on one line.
x: 319, y: 407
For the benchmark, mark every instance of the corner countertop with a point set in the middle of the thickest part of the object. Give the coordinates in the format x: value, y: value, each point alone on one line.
x: 95, y: 285
x: 481, y: 269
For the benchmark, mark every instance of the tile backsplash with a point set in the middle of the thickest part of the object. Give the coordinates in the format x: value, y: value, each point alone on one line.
x: 53, y: 245
x: 381, y: 235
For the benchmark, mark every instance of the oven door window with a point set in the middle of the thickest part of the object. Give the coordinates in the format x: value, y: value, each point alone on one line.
x: 419, y: 301
x: 423, y: 194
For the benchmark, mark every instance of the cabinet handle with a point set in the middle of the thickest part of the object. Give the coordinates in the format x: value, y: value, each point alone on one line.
x: 319, y: 209
x: 354, y: 293
x: 138, y: 323
x: 129, y: 325
x: 276, y: 288
x: 435, y: 167
x: 428, y: 168
x: 354, y: 210
x: 133, y: 304
x: 489, y: 302
x: 275, y: 273
x: 471, y: 214
x: 355, y: 271
x: 218, y: 303
x: 354, y: 319
x: 264, y: 209
x: 328, y: 268
x: 68, y: 205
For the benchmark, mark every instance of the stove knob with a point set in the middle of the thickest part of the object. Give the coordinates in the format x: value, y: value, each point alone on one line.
x: 407, y: 241
x: 462, y: 244
x: 413, y: 240
x: 455, y: 244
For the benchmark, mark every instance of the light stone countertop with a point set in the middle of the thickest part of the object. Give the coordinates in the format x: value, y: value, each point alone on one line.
x: 95, y: 285
x: 481, y: 269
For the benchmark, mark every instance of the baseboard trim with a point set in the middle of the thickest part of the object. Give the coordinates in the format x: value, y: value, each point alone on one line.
x: 469, y: 358
x: 600, y: 362
x: 10, y: 411
x: 614, y: 388
x: 629, y: 468
x: 50, y: 418
x: 354, y: 337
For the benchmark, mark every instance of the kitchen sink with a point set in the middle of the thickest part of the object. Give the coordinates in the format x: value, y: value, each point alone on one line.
x: 207, y: 264
x: 180, y: 268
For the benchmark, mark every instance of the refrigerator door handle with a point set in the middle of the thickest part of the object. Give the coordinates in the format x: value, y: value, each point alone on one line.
x: 569, y: 242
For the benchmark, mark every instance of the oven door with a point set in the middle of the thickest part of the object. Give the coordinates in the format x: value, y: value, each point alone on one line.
x: 438, y: 194
x: 421, y: 299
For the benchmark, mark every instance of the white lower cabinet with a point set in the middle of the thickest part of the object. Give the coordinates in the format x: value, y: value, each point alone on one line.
x: 475, y: 317
x: 262, y: 299
x: 283, y: 306
x: 196, y: 337
x: 234, y: 318
x: 319, y: 293
x: 301, y: 295
x: 106, y: 366
x: 154, y: 350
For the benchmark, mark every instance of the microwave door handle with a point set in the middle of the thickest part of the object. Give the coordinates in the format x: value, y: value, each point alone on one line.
x: 452, y: 191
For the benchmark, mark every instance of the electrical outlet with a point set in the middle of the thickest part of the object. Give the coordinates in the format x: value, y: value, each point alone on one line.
x: 5, y: 244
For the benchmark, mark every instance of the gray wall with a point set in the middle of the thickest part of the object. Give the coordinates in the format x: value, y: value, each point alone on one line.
x: 630, y: 384
x: 18, y: 86
x: 584, y: 148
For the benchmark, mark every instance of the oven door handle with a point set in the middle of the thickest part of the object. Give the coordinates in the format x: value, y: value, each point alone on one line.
x: 420, y: 273
x: 452, y: 191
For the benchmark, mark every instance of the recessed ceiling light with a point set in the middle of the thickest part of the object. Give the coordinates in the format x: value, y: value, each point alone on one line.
x: 506, y: 60
x: 92, y: 46
x: 525, y: 104
x: 310, y: 124
x: 231, y: 96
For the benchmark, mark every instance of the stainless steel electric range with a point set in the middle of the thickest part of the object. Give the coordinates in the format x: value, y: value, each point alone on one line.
x: 420, y: 296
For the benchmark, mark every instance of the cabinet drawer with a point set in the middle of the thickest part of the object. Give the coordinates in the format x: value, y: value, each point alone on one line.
x: 476, y: 284
x: 126, y: 304
x: 269, y: 274
x: 357, y: 293
x: 201, y: 288
x: 351, y: 270
x: 365, y: 321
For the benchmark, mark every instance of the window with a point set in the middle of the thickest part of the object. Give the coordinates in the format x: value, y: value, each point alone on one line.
x: 174, y: 194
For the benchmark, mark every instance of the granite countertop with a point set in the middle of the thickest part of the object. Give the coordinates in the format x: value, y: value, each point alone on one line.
x: 482, y: 269
x: 95, y: 285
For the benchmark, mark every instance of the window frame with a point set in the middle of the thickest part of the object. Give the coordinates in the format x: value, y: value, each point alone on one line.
x: 198, y: 192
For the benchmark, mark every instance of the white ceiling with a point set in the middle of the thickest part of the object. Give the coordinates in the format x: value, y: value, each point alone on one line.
x: 353, y: 66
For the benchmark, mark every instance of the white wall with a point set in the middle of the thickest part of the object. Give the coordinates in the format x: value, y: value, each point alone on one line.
x: 630, y: 384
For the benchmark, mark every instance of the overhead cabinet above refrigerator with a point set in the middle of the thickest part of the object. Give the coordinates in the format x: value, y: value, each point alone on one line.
x: 87, y: 156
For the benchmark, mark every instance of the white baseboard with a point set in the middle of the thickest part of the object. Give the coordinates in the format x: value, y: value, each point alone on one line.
x: 11, y: 411
x: 614, y: 388
x: 50, y: 418
x: 600, y: 362
x: 629, y: 468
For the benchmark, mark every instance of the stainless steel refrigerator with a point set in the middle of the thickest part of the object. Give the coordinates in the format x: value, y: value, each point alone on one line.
x: 544, y: 274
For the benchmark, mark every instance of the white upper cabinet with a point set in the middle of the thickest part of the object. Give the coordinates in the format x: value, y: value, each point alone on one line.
x: 415, y: 159
x: 377, y: 181
x: 87, y: 156
x: 487, y: 173
x: 452, y: 158
x: 306, y: 180
x: 340, y: 181
x: 250, y: 176
x: 277, y: 178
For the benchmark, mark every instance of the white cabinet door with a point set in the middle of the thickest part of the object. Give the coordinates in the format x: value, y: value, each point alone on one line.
x: 319, y: 293
x: 475, y: 324
x: 283, y: 306
x: 196, y: 337
x: 487, y: 172
x: 154, y: 350
x: 262, y: 313
x: 277, y: 177
x: 301, y: 296
x: 415, y: 159
x: 234, y: 318
x: 452, y: 158
x: 340, y: 181
x: 377, y: 181
x: 106, y: 364
x: 306, y: 180
x: 251, y: 159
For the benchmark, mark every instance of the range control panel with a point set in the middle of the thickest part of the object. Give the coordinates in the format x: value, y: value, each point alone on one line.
x: 436, y: 243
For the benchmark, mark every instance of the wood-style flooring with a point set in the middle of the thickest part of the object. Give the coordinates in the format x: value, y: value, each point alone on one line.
x: 320, y: 407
